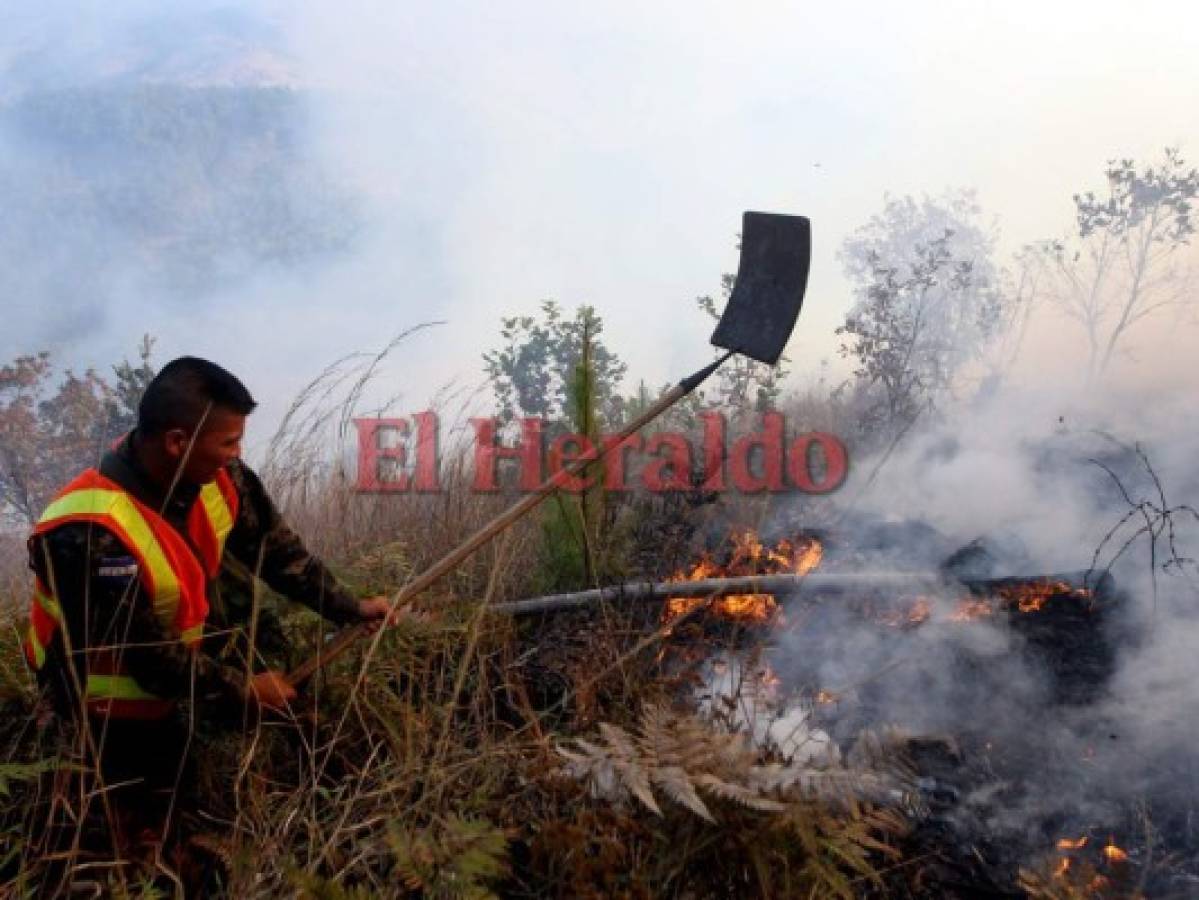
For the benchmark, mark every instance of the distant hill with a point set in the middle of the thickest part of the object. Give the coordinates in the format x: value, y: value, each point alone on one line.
x: 150, y: 154
x: 55, y: 45
x: 156, y: 193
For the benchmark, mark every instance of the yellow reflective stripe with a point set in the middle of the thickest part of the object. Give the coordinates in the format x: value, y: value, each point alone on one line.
x: 98, y: 501
x: 220, y: 516
x: 87, y: 501
x: 39, y: 652
x: 193, y: 634
x: 49, y: 605
x: 116, y: 687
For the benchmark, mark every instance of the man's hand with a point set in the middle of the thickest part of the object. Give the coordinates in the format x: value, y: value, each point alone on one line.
x: 377, y: 611
x: 374, y: 611
x: 271, y: 690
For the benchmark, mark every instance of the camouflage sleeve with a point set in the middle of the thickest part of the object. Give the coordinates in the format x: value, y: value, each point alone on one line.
x: 99, y: 589
x: 262, y: 541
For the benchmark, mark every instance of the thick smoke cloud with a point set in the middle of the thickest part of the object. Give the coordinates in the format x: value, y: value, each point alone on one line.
x: 1032, y: 477
x: 487, y: 158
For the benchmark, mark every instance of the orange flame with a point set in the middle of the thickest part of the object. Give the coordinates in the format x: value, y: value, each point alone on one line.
x: 920, y: 611
x: 1025, y: 597
x: 750, y: 557
x: 1068, y: 844
x: 911, y: 616
x: 970, y: 609
x: 1033, y: 596
x: 1063, y: 866
x: 1113, y: 853
x: 737, y: 607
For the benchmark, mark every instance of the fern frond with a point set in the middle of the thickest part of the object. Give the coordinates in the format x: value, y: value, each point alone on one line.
x: 680, y: 755
x: 677, y: 784
x: 737, y: 793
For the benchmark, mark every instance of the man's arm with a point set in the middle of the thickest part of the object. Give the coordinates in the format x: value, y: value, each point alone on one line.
x: 99, y: 589
x: 263, y: 542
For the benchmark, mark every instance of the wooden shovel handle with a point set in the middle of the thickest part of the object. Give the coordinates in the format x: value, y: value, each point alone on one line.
x: 347, y: 636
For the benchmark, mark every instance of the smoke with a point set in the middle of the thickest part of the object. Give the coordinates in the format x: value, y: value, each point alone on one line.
x: 158, y: 176
x: 1080, y: 725
x: 464, y: 163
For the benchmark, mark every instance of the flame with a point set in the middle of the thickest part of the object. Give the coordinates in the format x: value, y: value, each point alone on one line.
x: 1032, y: 596
x: 807, y: 558
x: 1068, y: 844
x: 1025, y: 597
x: 970, y: 609
x: 750, y: 557
x: 1063, y: 866
x: 824, y: 698
x: 1113, y: 853
x: 738, y: 607
x: 911, y: 616
x: 920, y: 611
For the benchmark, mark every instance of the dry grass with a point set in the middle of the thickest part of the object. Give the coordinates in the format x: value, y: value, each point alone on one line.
x: 429, y: 761
x: 14, y: 582
x: 418, y: 766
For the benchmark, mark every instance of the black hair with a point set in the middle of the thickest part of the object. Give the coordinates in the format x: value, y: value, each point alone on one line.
x: 183, y: 392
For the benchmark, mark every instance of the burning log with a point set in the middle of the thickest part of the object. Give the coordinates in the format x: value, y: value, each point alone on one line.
x: 1080, y: 591
x: 749, y: 585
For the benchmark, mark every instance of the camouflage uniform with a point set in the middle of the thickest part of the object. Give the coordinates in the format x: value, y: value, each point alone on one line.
x: 97, y: 584
x: 94, y: 577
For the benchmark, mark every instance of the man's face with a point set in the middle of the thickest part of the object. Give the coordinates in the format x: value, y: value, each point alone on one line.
x: 218, y: 442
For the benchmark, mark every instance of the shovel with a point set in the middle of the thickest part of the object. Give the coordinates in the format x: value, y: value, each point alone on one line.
x: 771, y: 278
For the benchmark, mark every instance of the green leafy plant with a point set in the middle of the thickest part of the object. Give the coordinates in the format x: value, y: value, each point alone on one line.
x: 460, y: 858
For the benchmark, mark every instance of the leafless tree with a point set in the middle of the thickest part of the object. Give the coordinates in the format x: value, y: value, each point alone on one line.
x: 1120, y: 265
x: 928, y: 300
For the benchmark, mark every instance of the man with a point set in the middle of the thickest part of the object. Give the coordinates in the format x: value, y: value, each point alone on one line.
x: 126, y: 560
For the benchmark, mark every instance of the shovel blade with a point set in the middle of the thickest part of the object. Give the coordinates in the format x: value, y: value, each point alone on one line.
x: 776, y: 251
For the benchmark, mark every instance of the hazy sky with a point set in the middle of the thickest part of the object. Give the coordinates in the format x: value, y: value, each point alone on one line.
x: 604, y: 153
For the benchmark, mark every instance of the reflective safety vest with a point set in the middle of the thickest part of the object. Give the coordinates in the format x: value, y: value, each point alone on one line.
x: 174, y: 578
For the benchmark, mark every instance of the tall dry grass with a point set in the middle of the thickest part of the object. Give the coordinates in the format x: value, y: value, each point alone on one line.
x: 428, y: 761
